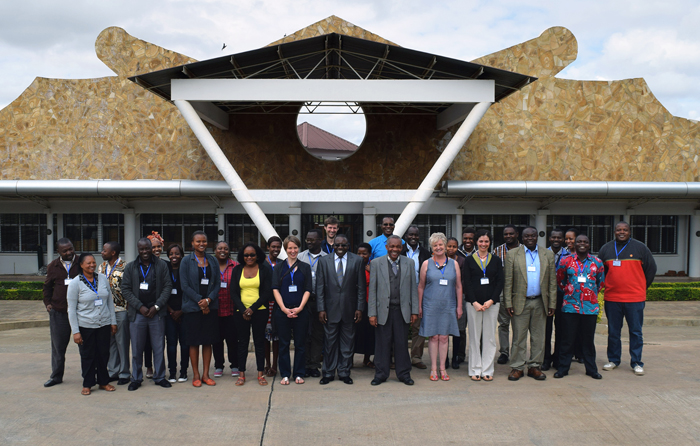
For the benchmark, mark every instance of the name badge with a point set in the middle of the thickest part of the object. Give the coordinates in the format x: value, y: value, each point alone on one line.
x: 443, y: 282
x: 617, y: 263
x: 224, y: 285
x: 66, y: 281
x: 204, y: 282
x: 292, y: 288
x: 313, y: 274
x: 484, y: 280
x: 143, y: 286
x: 531, y: 269
x: 98, y: 302
x: 581, y: 279
x: 173, y: 291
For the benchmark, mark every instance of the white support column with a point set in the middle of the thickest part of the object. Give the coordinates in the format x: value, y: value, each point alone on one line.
x: 239, y: 189
x: 295, y: 221
x: 49, y: 236
x: 541, y: 225
x: 425, y: 190
x: 130, y: 237
x: 369, y: 223
x: 221, y: 223
x: 457, y: 226
x: 59, y: 226
x: 694, y: 246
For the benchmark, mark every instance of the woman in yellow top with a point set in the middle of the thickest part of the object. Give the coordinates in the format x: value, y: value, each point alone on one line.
x: 251, y: 290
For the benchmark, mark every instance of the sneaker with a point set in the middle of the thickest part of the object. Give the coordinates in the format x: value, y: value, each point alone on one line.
x: 638, y: 370
x: 609, y: 366
x: 218, y: 373
x: 235, y: 372
x: 182, y: 378
x: 171, y: 378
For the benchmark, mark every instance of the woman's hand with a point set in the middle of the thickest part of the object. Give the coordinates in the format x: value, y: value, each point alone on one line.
x: 78, y: 339
x: 477, y: 306
x: 247, y: 314
x: 114, y: 330
x: 459, y: 311
x: 176, y: 315
x: 487, y: 305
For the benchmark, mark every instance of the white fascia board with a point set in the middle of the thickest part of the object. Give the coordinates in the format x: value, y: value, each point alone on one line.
x: 333, y: 90
x: 332, y: 195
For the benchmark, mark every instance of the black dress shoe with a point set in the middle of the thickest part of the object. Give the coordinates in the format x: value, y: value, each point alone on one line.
x: 123, y: 381
x: 134, y: 385
x: 164, y: 383
x: 408, y: 381
x: 326, y: 380
x: 559, y: 374
x: 376, y: 382
x: 579, y: 360
x: 315, y: 373
x: 52, y: 382
x: 113, y: 378
x: 346, y: 380
x: 503, y: 359
x: 455, y: 363
x: 595, y: 375
x: 545, y: 367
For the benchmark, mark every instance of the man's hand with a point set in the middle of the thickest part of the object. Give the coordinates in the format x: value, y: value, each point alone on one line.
x: 414, y: 318
x: 322, y: 317
x: 358, y: 316
x: 373, y: 321
x: 78, y: 339
x: 114, y: 330
x: 49, y: 307
x: 151, y: 312
x: 551, y: 312
x: 510, y: 311
x: 176, y: 315
x: 143, y: 310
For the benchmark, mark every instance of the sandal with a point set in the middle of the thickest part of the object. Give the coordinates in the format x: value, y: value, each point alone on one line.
x: 444, y: 376
x: 262, y: 381
x: 86, y: 391
x: 209, y: 381
x: 197, y: 383
x: 476, y: 378
x: 299, y: 380
x: 488, y: 378
x: 240, y: 381
x: 285, y: 381
x: 433, y: 375
x: 108, y: 388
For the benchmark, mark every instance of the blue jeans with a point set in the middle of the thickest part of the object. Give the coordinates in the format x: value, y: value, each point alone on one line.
x: 174, y: 335
x: 140, y: 329
x: 633, y: 313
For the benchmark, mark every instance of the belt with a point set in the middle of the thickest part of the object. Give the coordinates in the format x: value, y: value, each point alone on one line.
x: 533, y: 297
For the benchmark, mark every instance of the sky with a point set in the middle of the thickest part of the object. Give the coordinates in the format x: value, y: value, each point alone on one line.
x: 617, y: 39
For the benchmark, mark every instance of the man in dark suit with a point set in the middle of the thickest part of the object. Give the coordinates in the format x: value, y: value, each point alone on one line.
x: 340, y: 297
x: 418, y: 254
x: 393, y: 305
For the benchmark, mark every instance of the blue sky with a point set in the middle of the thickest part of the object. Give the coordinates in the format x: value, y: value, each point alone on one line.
x: 656, y: 40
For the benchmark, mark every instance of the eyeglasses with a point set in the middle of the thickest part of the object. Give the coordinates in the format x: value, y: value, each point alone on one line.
x: 387, y: 224
x: 250, y: 255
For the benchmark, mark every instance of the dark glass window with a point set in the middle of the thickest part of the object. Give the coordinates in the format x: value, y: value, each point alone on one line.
x: 658, y: 232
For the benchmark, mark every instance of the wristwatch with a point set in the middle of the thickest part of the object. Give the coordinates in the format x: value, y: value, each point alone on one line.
x: 157, y: 307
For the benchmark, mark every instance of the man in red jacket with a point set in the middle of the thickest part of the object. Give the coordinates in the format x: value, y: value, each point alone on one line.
x: 629, y: 271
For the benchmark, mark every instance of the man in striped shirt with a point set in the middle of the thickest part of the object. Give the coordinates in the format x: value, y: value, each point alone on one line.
x: 512, y: 241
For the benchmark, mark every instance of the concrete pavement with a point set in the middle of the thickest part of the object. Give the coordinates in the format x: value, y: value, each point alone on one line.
x: 661, y: 407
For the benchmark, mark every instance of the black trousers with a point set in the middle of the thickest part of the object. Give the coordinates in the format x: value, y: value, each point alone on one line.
x: 228, y: 333
x: 394, y: 333
x: 578, y: 326
x: 94, y: 355
x: 60, y: 338
x: 256, y: 324
x: 553, y: 322
x: 288, y: 329
x: 314, y: 338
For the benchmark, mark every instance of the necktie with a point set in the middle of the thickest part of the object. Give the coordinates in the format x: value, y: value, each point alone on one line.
x: 339, y: 272
x: 395, y: 267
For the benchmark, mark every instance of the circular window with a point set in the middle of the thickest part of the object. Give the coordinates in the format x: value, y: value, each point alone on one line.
x: 331, y: 131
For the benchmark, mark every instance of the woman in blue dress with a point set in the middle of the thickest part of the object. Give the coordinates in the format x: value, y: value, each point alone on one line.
x: 440, y: 302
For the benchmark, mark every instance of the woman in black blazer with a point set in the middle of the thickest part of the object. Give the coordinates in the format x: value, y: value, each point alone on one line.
x: 484, y: 279
x: 251, y: 291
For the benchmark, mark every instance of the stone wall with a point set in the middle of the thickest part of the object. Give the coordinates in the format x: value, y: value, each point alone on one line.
x: 554, y: 129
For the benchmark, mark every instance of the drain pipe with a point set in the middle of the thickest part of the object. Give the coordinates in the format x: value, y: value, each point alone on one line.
x: 239, y: 189
x: 426, y: 188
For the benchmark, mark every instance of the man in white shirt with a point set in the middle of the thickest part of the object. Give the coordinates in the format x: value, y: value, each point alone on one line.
x: 314, y: 341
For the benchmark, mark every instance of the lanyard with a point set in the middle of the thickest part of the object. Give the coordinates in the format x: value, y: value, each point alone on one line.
x: 329, y: 250
x: 532, y: 255
x: 223, y: 273
x: 144, y: 275
x: 617, y: 253
x: 442, y: 270
x: 67, y: 267
x: 94, y: 287
x: 270, y: 262
x: 483, y: 267
x: 109, y: 273
x: 291, y: 274
x: 173, y: 275
x: 414, y: 252
x: 313, y: 262
x: 583, y: 266
x: 204, y: 268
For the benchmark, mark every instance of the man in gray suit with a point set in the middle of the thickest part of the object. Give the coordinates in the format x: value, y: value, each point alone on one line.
x: 392, y: 307
x: 340, y: 297
x: 531, y: 295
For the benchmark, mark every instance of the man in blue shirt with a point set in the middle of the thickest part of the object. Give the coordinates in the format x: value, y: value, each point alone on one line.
x: 378, y: 244
x: 530, y: 296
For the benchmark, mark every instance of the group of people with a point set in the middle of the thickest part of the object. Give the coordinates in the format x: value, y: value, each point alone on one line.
x: 333, y: 303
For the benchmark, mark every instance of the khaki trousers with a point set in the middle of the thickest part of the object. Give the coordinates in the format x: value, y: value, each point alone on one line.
x: 533, y: 319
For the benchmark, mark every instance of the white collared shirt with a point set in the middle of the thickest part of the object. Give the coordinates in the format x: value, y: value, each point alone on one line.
x: 344, y: 259
x: 414, y: 254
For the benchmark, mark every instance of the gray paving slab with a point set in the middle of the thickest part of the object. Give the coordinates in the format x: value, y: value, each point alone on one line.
x: 661, y: 407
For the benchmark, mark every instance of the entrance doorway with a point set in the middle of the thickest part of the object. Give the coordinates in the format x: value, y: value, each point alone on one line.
x: 350, y: 225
